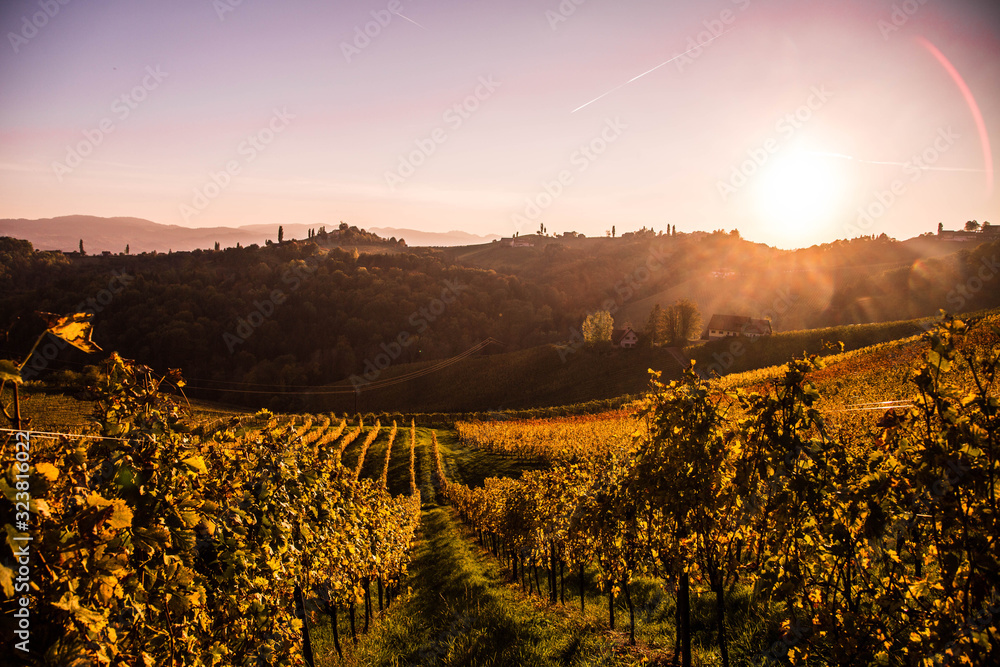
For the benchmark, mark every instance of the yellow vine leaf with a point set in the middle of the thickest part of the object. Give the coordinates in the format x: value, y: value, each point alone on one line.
x: 196, y: 463
x: 48, y: 471
x: 7, y: 580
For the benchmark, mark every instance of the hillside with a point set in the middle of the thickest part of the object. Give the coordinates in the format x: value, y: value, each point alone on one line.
x: 557, y: 379
x: 553, y: 376
x: 864, y: 280
x: 112, y: 234
x: 284, y: 320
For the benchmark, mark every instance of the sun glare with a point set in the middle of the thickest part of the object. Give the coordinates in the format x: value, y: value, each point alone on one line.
x: 799, y: 195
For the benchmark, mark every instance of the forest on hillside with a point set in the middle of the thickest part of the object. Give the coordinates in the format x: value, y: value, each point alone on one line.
x: 300, y: 314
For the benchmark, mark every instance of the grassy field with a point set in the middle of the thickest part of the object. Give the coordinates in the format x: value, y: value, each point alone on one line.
x: 549, y: 375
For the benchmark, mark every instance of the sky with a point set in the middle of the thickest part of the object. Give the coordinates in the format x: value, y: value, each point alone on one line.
x: 794, y: 121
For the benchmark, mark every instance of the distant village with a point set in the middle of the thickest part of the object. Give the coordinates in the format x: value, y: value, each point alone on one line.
x: 974, y: 231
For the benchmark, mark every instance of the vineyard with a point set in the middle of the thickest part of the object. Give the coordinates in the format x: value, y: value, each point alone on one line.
x: 837, y: 511
x: 159, y: 547
x: 552, y: 439
x: 876, y: 539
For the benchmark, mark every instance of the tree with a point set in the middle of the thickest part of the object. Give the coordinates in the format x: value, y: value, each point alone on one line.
x: 656, y: 326
x: 597, y: 327
x: 683, y: 321
x: 126, y: 248
x: 971, y: 226
x: 281, y: 234
x: 612, y: 231
x: 940, y: 227
x: 216, y: 246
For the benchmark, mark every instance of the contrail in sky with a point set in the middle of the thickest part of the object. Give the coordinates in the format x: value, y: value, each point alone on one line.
x: 895, y: 164
x: 666, y: 62
x: 408, y: 19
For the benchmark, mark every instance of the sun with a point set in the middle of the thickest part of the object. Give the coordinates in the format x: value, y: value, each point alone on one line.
x: 799, y: 195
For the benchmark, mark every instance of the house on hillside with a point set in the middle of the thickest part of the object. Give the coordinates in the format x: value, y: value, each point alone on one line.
x: 985, y: 232
x: 625, y: 337
x: 723, y: 326
x: 516, y: 242
x: 961, y: 235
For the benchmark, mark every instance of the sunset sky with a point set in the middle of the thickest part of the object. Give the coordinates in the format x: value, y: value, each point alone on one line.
x: 783, y: 119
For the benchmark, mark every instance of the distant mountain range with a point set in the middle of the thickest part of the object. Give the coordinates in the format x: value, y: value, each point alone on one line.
x: 100, y: 234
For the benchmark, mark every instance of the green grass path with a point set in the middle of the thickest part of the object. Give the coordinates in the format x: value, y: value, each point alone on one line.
x: 458, y: 608
x: 460, y: 611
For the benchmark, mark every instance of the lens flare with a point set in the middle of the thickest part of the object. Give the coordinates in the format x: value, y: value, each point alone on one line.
x: 984, y: 136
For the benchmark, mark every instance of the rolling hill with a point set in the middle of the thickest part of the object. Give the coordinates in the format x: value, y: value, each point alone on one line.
x: 112, y: 234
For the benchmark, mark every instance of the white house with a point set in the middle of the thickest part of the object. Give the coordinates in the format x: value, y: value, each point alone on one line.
x: 624, y: 338
x: 723, y: 326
